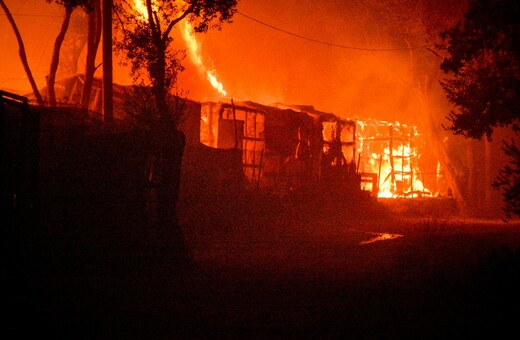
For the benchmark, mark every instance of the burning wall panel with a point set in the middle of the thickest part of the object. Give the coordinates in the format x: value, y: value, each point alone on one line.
x: 275, y: 142
x: 230, y: 126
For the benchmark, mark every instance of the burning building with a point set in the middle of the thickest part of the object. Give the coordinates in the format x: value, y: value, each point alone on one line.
x: 279, y: 146
x: 286, y: 147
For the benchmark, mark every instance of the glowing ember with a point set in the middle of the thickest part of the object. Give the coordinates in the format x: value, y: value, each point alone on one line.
x: 195, y: 56
x: 381, y: 237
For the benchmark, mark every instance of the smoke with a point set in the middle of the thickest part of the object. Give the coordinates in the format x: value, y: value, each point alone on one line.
x: 260, y: 63
x: 256, y: 61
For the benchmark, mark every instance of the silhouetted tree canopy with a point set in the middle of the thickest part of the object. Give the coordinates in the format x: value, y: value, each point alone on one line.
x: 483, y: 81
x: 483, y: 68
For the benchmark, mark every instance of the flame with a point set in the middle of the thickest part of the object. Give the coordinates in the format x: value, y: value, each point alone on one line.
x: 403, y: 173
x: 194, y: 49
x: 216, y: 84
x: 401, y: 179
x: 140, y: 7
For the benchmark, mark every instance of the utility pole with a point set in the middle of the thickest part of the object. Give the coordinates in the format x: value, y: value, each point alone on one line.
x: 108, y: 103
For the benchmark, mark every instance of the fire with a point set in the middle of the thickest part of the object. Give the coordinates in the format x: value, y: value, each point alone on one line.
x: 194, y: 49
x: 401, y: 181
x: 140, y: 7
x: 391, y: 151
x: 216, y: 84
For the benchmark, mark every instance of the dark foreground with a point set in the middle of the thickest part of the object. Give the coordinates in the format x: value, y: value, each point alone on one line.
x: 254, y: 267
x: 276, y: 275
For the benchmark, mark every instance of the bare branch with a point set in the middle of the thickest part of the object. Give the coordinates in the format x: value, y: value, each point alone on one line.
x: 174, y: 22
x: 151, y: 17
x: 21, y: 52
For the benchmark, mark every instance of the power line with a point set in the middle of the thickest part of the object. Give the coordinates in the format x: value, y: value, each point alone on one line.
x: 280, y: 30
x: 329, y: 43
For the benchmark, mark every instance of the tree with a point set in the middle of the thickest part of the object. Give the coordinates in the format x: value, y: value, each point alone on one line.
x: 69, y: 6
x: 74, y: 44
x: 509, y: 180
x: 482, y: 69
x: 21, y: 51
x: 484, y: 64
x: 93, y: 38
x: 146, y: 40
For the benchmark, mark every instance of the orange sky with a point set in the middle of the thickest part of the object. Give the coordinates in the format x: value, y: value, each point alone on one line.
x: 258, y: 63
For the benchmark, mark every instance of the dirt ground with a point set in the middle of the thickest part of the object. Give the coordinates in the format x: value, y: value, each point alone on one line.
x: 270, y: 271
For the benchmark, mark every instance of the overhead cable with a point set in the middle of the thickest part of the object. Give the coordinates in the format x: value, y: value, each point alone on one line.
x: 329, y: 43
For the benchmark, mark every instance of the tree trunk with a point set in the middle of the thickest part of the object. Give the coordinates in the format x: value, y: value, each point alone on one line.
x: 108, y: 93
x: 158, y: 74
x: 169, y: 148
x: 51, y: 79
x: 94, y: 36
x: 21, y: 52
x: 488, y: 203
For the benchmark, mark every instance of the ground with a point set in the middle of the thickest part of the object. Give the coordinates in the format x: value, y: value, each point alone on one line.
x: 274, y: 271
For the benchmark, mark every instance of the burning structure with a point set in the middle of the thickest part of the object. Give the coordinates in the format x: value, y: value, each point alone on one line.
x: 278, y: 146
x: 275, y: 152
x: 390, y: 153
x: 289, y: 147
x: 286, y: 147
